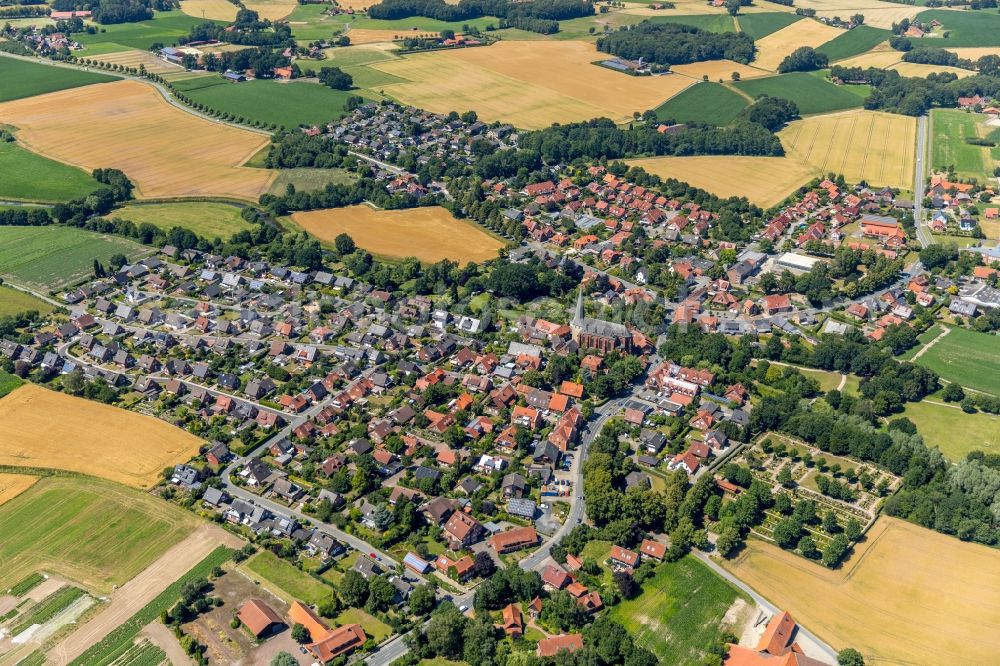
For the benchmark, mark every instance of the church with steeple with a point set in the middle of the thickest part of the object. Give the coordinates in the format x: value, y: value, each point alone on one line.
x: 604, y: 336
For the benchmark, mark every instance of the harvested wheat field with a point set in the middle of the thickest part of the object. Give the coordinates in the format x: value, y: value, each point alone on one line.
x: 136, y: 57
x: 430, y: 234
x: 923, y: 71
x: 877, y: 14
x: 217, y: 10
x: 43, y: 428
x: 879, y: 57
x: 167, y: 152
x: 12, y: 485
x: 862, y: 145
x: 765, y: 181
x: 975, y: 52
x: 691, y: 7
x: 369, y: 36
x: 718, y: 69
x: 908, y: 595
x: 771, y: 50
x: 530, y: 84
x: 272, y: 10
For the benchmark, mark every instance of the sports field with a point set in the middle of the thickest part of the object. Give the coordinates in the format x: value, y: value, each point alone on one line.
x: 31, y: 177
x: 95, y: 533
x: 765, y: 181
x: 167, y: 152
x: 19, y: 79
x: 208, y: 220
x: 529, y: 84
x: 810, y: 91
x: 12, y: 485
x: 969, y: 358
x: 908, y: 595
x: 13, y: 301
x: 861, y: 145
x: 938, y: 422
x: 43, y: 428
x: 772, y: 49
x: 857, y: 40
x: 680, y: 611
x: 52, y: 257
x: 966, y: 28
x: 430, y: 234
x: 948, y: 130
x: 703, y: 102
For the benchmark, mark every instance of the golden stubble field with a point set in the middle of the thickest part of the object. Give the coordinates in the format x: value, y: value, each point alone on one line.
x: 136, y: 57
x: 166, y: 151
x: 877, y: 14
x: 772, y: 49
x: 12, y: 485
x: 529, y: 84
x: 43, y: 428
x: 223, y: 10
x: 719, y: 69
x: 908, y: 595
x: 430, y: 234
x: 862, y: 145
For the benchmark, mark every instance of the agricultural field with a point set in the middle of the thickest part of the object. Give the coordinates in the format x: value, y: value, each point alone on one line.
x: 51, y: 257
x: 292, y: 583
x: 877, y: 14
x: 948, y: 131
x: 862, y: 145
x: 13, y: 301
x: 969, y: 358
x: 853, y: 42
x: 703, y: 102
x: 12, y: 485
x: 302, y: 102
x: 166, y: 151
x: 216, y: 10
x: 164, y: 28
x: 8, y: 383
x: 966, y: 28
x: 20, y: 79
x: 882, y: 56
x: 759, y: 26
x: 773, y: 48
x: 939, y: 422
x: 810, y: 91
x: 32, y: 177
x: 718, y: 70
x: 975, y: 52
x: 137, y: 57
x: 306, y: 179
x: 765, y: 181
x: 207, y: 219
x: 922, y: 71
x: 95, y: 533
x: 430, y: 234
x: 529, y: 84
x: 709, y: 22
x: 107, y: 442
x: 681, y: 611
x: 893, y: 600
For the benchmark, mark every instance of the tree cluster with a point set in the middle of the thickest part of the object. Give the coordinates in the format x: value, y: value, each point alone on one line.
x: 676, y: 44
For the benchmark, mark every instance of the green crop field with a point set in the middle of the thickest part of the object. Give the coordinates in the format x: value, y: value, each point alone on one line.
x: 51, y: 257
x: 95, y: 533
x: 164, y: 28
x: 762, y: 25
x: 710, y: 22
x: 810, y: 91
x: 207, y: 219
x: 949, y: 128
x: 309, y: 23
x: 939, y: 423
x: 48, y: 608
x: 8, y: 383
x: 306, y: 180
x: 679, y: 613
x: 13, y: 301
x: 969, y: 28
x: 32, y: 177
x: 968, y: 358
x: 302, y: 103
x: 295, y: 583
x: 704, y: 102
x: 854, y: 42
x: 19, y: 78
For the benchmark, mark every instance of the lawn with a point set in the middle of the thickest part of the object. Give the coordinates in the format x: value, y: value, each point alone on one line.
x: 762, y: 25
x: 853, y: 42
x: 939, y: 423
x: 294, y: 583
x: 302, y: 103
x: 680, y: 611
x: 967, y: 28
x: 19, y: 78
x: 164, y: 28
x: 95, y: 533
x: 52, y: 257
x: 949, y: 129
x: 13, y: 301
x: 207, y: 219
x: 969, y: 358
x: 705, y: 102
x: 32, y: 177
x: 810, y: 91
x: 8, y: 383
x: 710, y: 22
x: 374, y: 628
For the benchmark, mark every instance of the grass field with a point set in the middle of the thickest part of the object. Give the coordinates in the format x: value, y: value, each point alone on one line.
x: 853, y: 42
x: 861, y: 145
x: 208, y: 220
x: 305, y: 179
x: 302, y: 102
x: 939, y: 423
x: 19, y: 79
x: 759, y: 26
x: 529, y: 84
x: 32, y: 177
x: 13, y: 301
x: 773, y: 48
x: 106, y: 441
x: 680, y: 611
x: 710, y: 22
x: 704, y: 102
x: 8, y: 383
x: 166, y: 152
x: 12, y: 485
x: 52, y: 257
x: 295, y: 584
x: 765, y: 181
x: 95, y: 533
x: 907, y: 596
x: 969, y: 358
x: 811, y: 92
x: 164, y: 28
x: 966, y: 28
x: 430, y: 234
x: 374, y: 628
x: 948, y: 131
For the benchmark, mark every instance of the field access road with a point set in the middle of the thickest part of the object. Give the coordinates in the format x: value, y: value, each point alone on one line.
x: 918, y: 183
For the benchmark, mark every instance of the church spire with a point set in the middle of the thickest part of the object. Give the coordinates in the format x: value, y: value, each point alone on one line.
x: 578, y: 314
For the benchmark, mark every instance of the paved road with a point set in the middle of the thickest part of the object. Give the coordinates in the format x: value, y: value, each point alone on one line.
x: 918, y: 183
